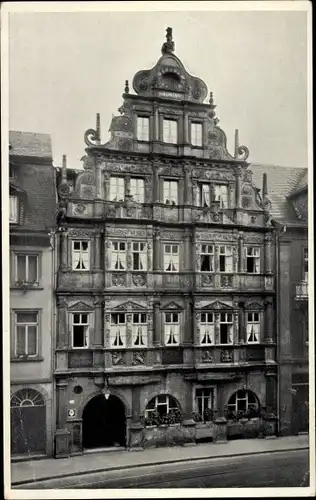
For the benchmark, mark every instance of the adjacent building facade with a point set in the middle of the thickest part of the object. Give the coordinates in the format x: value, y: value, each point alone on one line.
x: 288, y: 196
x: 165, y: 276
x: 32, y: 213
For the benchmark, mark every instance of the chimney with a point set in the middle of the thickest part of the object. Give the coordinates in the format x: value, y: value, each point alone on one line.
x: 64, y: 170
x: 236, y: 144
x: 98, y: 129
x: 264, y: 186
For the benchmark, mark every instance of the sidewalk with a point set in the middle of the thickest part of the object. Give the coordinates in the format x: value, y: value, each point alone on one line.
x: 25, y: 472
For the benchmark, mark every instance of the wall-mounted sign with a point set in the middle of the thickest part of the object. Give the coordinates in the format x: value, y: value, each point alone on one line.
x: 170, y: 95
x: 71, y: 413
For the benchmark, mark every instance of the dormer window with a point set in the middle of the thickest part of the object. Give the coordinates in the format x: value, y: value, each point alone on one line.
x: 170, y: 131
x: 196, y: 134
x: 13, y: 209
x: 143, y: 128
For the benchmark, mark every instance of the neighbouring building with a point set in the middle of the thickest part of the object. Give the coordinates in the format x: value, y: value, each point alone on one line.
x: 166, y: 277
x: 32, y: 214
x: 288, y: 195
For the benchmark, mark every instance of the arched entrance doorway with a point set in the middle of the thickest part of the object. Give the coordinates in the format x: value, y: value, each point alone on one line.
x: 103, y: 422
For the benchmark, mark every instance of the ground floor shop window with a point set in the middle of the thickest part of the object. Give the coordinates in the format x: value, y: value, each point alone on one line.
x: 241, y: 404
x: 162, y: 409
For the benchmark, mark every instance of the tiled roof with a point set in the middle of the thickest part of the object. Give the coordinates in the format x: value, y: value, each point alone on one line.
x: 282, y: 182
x: 30, y: 144
x: 37, y: 180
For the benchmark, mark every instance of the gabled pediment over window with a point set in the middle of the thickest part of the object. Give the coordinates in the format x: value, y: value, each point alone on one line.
x: 215, y: 306
x: 80, y: 306
x: 129, y: 306
x: 172, y: 305
x: 254, y: 306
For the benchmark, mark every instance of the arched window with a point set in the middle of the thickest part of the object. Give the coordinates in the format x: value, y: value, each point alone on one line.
x: 162, y: 409
x: 27, y: 397
x: 243, y: 403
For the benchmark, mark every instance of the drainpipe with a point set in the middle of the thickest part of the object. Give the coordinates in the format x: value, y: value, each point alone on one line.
x: 278, y: 234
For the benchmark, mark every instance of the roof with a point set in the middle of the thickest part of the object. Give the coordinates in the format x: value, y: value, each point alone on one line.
x: 35, y: 180
x: 282, y: 182
x: 30, y: 144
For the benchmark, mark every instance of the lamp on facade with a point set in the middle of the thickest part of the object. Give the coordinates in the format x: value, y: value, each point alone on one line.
x: 106, y: 390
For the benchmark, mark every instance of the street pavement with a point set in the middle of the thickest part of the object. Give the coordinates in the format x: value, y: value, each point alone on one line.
x: 279, y: 469
x: 35, y: 472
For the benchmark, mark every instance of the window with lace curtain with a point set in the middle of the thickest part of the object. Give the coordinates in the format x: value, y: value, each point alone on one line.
x: 221, y: 195
x: 137, y: 189
x: 207, y: 329
x: 253, y: 327
x: 26, y: 333
x: 205, y: 195
x: 143, y: 128
x: 170, y: 131
x: 80, y: 255
x: 170, y: 192
x: 196, y: 134
x: 118, y: 255
x: 139, y: 330
x: 117, y: 188
x: 172, y: 328
x: 171, y: 258
x: 118, y: 330
x: 139, y: 256
x: 27, y: 268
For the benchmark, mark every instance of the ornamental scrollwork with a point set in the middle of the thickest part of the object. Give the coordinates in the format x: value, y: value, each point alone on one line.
x: 91, y: 137
x: 206, y: 357
x: 139, y: 280
x: 117, y: 358
x: 138, y: 358
x: 243, y: 153
x: 118, y: 279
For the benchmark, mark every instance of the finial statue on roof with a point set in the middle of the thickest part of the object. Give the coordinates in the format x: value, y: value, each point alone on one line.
x: 168, y: 46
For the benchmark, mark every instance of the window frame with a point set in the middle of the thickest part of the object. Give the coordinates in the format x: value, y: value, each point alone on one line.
x: 80, y: 251
x: 142, y: 117
x: 254, y: 257
x: 136, y: 194
x: 118, y: 335
x: 248, y: 405
x: 115, y: 200
x: 170, y: 407
x: 176, y: 335
x: 213, y: 398
x: 226, y: 322
x: 253, y: 322
x: 230, y: 255
x: 305, y: 261
x: 86, y: 333
x: 26, y: 253
x: 170, y: 197
x: 144, y: 253
x: 144, y: 336
x: 193, y: 135
x: 26, y: 357
x: 218, y: 185
x: 170, y: 120
x: 118, y: 252
x: 172, y: 261
x: 211, y: 257
x: 207, y: 323
x: 15, y: 219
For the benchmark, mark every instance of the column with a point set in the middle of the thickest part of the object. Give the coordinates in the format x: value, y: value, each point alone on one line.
x: 98, y: 330
x: 97, y: 252
x: 62, y: 331
x: 157, y: 252
x: 61, y: 386
x: 267, y: 254
x: 135, y: 427
x: 63, y: 250
x: 268, y: 334
x: 238, y: 187
x: 241, y: 319
x: 157, y: 325
x: 241, y: 254
x: 187, y: 186
x: 156, y: 183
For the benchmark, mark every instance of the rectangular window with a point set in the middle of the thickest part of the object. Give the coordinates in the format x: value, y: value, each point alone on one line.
x: 80, y: 255
x: 138, y: 190
x: 207, y: 258
x: 221, y: 195
x: 139, y: 330
x: 12, y: 171
x: 225, y: 259
x: 253, y: 260
x: 118, y: 256
x: 13, y: 209
x: 226, y: 328
x: 80, y: 330
x: 26, y: 333
x: 196, y: 134
x: 207, y: 329
x: 117, y: 189
x: 170, y: 131
x: 142, y: 128
x: 170, y: 192
x: 253, y: 328
x: 118, y: 330
x: 139, y: 256
x: 205, y: 199
x: 171, y: 258
x: 27, y: 268
x: 172, y: 328
x: 204, y: 403
x: 306, y: 264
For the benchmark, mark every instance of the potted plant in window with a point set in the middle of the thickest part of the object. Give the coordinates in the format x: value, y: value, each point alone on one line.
x: 25, y: 284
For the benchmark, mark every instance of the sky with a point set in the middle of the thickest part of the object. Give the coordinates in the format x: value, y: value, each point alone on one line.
x: 66, y: 67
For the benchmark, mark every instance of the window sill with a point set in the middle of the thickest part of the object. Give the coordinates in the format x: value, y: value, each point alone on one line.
x: 27, y: 359
x: 81, y: 270
x: 26, y: 288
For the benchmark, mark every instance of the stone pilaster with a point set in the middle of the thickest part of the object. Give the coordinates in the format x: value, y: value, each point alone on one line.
x: 98, y: 327
x: 187, y: 186
x: 157, y: 252
x: 242, y: 326
x: 107, y: 185
x: 63, y: 251
x: 62, y: 330
x: 157, y: 325
x: 62, y: 387
x: 156, y: 183
x: 238, y: 187
x: 268, y: 333
x: 267, y: 254
x: 241, y: 260
x: 97, y: 252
